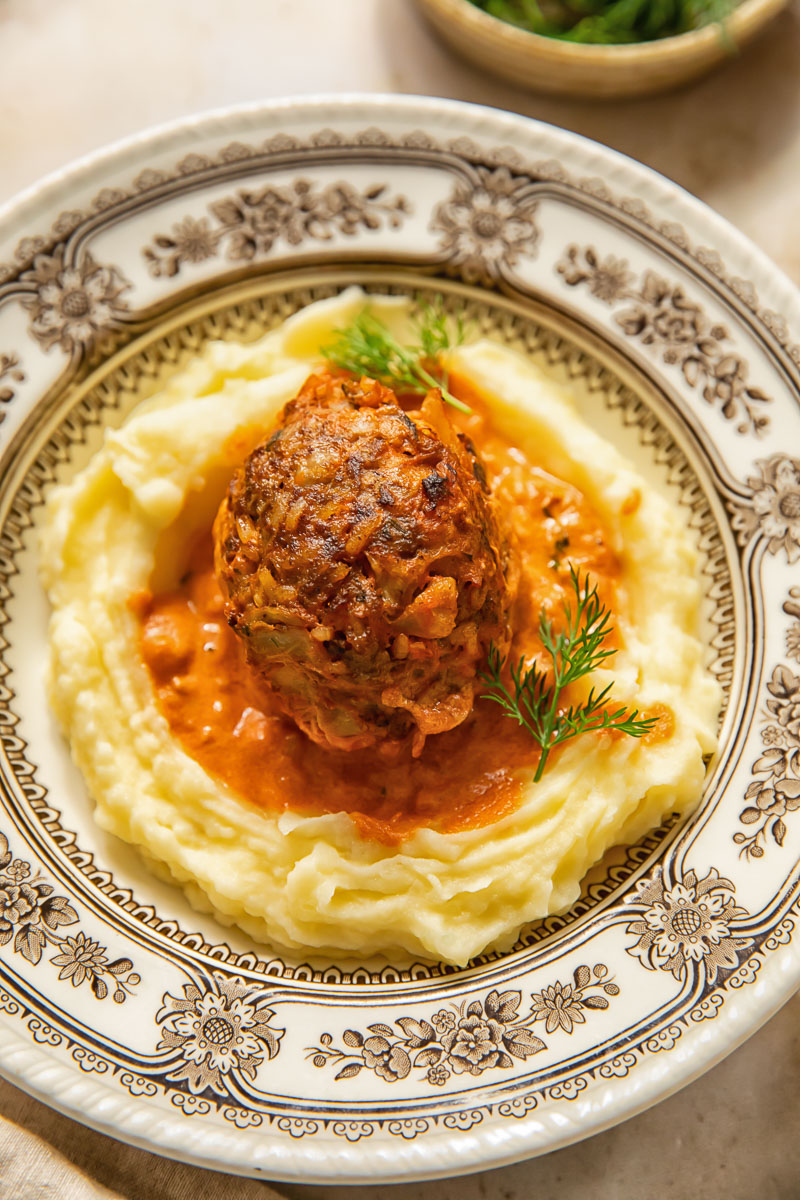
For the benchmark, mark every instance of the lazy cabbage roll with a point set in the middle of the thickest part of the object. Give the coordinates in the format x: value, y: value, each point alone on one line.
x: 365, y: 565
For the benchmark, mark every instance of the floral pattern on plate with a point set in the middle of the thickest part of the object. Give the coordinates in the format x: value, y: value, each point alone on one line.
x: 219, y: 230
x: 248, y: 224
x: 472, y: 1037
x: 31, y: 920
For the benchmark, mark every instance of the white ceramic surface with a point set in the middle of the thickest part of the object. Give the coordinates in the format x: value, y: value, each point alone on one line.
x: 667, y: 320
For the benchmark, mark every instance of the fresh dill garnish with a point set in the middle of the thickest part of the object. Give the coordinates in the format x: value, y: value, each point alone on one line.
x: 368, y: 347
x: 533, y: 700
x: 609, y: 22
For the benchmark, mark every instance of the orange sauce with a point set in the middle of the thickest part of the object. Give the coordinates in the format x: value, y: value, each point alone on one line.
x: 553, y: 523
x: 664, y: 726
x: 231, y: 723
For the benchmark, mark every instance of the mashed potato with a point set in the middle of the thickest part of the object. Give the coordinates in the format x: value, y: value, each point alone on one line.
x: 310, y: 883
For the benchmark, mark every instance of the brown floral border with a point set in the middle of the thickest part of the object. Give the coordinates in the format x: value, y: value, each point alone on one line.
x: 464, y: 149
x: 73, y: 304
x: 220, y: 1029
x: 473, y: 1036
x: 248, y: 223
x: 31, y: 920
x: 774, y: 792
x: 487, y: 224
x: 660, y: 314
x: 686, y: 926
x: 218, y: 1033
x: 11, y: 375
x: 772, y: 510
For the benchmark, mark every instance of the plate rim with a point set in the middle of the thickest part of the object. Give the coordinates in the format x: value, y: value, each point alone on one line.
x: 43, y: 196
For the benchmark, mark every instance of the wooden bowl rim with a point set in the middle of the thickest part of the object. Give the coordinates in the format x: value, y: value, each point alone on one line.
x: 744, y: 19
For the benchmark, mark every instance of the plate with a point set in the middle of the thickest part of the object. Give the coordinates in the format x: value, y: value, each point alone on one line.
x: 128, y: 1009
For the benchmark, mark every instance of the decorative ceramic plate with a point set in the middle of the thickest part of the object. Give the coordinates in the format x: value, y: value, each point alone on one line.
x: 127, y: 1009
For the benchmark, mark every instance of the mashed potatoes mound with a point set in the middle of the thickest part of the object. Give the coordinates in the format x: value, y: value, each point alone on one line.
x: 310, y: 883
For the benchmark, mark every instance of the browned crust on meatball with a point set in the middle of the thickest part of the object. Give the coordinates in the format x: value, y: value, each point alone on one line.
x: 365, y: 566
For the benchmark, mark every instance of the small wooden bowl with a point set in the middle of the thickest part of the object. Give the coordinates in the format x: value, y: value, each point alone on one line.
x: 546, y: 64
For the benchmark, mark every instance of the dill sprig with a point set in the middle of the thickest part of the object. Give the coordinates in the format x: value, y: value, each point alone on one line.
x: 576, y: 651
x: 610, y: 22
x: 368, y: 347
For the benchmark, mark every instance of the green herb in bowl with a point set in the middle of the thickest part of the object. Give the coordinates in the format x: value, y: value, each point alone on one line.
x: 608, y: 22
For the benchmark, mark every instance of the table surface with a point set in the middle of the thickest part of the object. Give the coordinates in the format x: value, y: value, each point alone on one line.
x: 77, y: 74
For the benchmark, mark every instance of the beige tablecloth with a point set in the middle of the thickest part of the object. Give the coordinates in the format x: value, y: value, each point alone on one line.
x: 44, y: 1156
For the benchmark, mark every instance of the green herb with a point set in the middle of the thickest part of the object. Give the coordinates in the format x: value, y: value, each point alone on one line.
x: 576, y: 651
x: 367, y: 347
x: 609, y: 21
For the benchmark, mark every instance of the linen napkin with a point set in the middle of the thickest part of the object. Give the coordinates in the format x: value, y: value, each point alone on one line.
x: 45, y: 1156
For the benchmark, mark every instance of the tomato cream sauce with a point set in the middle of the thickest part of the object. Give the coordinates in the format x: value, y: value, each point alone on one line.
x: 227, y: 719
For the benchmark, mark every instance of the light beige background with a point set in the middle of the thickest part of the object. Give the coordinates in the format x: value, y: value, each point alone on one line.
x: 75, y: 75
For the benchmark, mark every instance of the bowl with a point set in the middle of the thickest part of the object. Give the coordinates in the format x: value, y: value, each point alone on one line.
x: 546, y: 64
x: 681, y: 342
